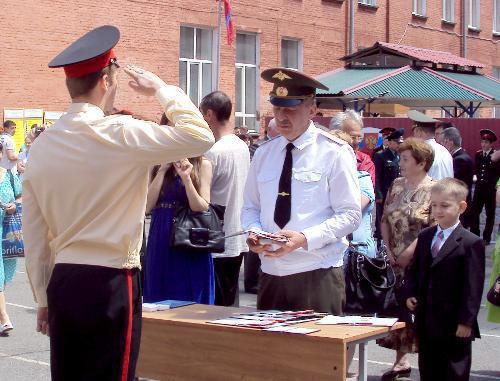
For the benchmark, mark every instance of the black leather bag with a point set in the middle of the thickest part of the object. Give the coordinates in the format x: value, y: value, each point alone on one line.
x: 370, y: 285
x: 493, y: 295
x: 198, y: 231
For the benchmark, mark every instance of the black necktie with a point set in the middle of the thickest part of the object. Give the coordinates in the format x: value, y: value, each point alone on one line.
x: 283, y: 206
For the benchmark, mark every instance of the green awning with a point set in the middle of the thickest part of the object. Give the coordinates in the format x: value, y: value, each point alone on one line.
x: 409, y: 86
x: 479, y: 82
x: 339, y: 80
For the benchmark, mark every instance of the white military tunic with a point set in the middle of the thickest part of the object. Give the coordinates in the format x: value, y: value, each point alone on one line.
x: 325, y: 199
x: 85, y: 185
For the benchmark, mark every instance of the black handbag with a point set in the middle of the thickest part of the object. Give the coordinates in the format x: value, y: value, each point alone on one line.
x: 200, y: 232
x: 494, y: 293
x: 370, y: 285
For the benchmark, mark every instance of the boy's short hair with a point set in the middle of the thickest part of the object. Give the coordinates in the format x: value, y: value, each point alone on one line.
x: 454, y: 187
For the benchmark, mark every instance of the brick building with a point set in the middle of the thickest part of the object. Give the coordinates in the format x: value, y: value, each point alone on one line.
x: 177, y: 40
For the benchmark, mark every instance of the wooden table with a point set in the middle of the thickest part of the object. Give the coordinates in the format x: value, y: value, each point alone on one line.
x: 179, y: 344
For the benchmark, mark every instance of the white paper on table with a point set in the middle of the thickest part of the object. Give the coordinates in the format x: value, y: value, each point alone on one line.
x: 295, y: 330
x: 357, y: 320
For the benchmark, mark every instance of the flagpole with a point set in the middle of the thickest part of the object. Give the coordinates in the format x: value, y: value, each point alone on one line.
x: 219, y: 14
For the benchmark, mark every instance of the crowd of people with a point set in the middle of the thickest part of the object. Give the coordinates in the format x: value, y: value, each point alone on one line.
x: 313, y: 186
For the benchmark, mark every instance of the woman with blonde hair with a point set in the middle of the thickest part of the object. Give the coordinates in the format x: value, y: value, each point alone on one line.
x: 171, y: 273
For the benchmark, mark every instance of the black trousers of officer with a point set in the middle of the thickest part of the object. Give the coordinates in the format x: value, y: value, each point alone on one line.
x: 322, y: 290
x: 95, y: 323
x: 483, y: 197
x: 444, y: 359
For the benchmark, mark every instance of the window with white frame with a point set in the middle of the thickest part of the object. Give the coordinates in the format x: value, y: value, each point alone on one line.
x: 196, y: 62
x: 368, y: 2
x: 496, y: 16
x: 474, y: 12
x: 291, y: 54
x: 247, y: 56
x: 419, y: 7
x: 449, y: 10
x: 496, y: 74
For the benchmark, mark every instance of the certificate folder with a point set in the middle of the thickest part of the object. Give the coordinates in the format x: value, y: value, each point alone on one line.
x: 165, y: 305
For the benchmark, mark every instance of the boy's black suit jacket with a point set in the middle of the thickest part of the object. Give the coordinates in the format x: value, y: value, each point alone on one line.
x: 449, y: 287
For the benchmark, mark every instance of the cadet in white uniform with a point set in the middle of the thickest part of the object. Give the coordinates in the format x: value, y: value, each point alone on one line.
x: 84, y: 199
x: 303, y: 185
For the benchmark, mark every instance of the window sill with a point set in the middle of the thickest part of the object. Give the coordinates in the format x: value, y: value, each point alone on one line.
x: 474, y: 29
x: 417, y: 16
x: 448, y: 22
x: 496, y: 34
x: 368, y: 7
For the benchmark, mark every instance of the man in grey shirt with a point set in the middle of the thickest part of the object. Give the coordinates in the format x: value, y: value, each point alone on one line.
x: 230, y: 160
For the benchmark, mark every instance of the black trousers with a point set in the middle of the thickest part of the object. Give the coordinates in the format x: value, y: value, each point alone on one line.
x: 227, y: 273
x: 444, y: 359
x: 483, y: 197
x: 95, y: 323
x: 322, y: 290
x: 251, y: 271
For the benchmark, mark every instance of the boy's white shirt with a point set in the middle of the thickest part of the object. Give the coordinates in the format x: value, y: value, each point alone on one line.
x: 446, y: 233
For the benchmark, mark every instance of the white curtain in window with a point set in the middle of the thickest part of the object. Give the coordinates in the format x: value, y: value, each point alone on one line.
x: 449, y: 10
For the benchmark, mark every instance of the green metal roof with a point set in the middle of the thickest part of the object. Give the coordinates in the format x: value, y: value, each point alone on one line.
x: 409, y: 84
x: 337, y: 81
x: 476, y: 81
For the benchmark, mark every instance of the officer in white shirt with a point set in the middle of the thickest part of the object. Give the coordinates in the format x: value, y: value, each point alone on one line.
x: 303, y: 185
x: 424, y: 127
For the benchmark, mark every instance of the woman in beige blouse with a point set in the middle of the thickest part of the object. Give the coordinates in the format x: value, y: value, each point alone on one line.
x: 406, y: 213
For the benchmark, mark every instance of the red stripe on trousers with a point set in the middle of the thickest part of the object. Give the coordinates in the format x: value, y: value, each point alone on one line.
x: 128, y: 337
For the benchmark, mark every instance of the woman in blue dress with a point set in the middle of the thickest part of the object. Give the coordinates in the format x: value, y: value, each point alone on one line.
x: 10, y: 191
x: 170, y: 273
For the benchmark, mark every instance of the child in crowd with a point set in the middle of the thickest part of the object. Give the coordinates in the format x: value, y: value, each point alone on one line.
x: 444, y: 287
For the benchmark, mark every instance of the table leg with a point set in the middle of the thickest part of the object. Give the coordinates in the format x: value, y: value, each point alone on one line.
x: 363, y: 371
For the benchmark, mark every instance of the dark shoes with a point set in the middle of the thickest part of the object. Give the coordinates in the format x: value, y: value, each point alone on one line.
x: 395, y: 374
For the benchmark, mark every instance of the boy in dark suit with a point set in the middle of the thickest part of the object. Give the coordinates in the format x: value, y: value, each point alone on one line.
x: 444, y: 287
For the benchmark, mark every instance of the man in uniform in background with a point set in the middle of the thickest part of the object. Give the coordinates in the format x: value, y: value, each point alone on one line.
x: 484, y: 193
x: 83, y: 222
x: 424, y: 127
x: 386, y: 169
x: 384, y: 132
x: 302, y: 185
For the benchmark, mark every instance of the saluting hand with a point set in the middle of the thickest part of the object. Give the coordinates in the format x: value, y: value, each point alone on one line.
x: 296, y: 240
x: 144, y: 82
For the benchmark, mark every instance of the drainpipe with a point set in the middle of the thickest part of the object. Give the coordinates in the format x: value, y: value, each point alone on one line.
x: 351, y: 26
x: 464, y: 28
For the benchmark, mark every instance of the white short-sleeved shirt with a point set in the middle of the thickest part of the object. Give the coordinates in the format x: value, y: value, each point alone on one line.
x: 442, y: 165
x: 8, y: 143
x: 230, y: 160
x: 325, y: 199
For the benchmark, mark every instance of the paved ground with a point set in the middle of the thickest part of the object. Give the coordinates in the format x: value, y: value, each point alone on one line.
x: 24, y: 355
